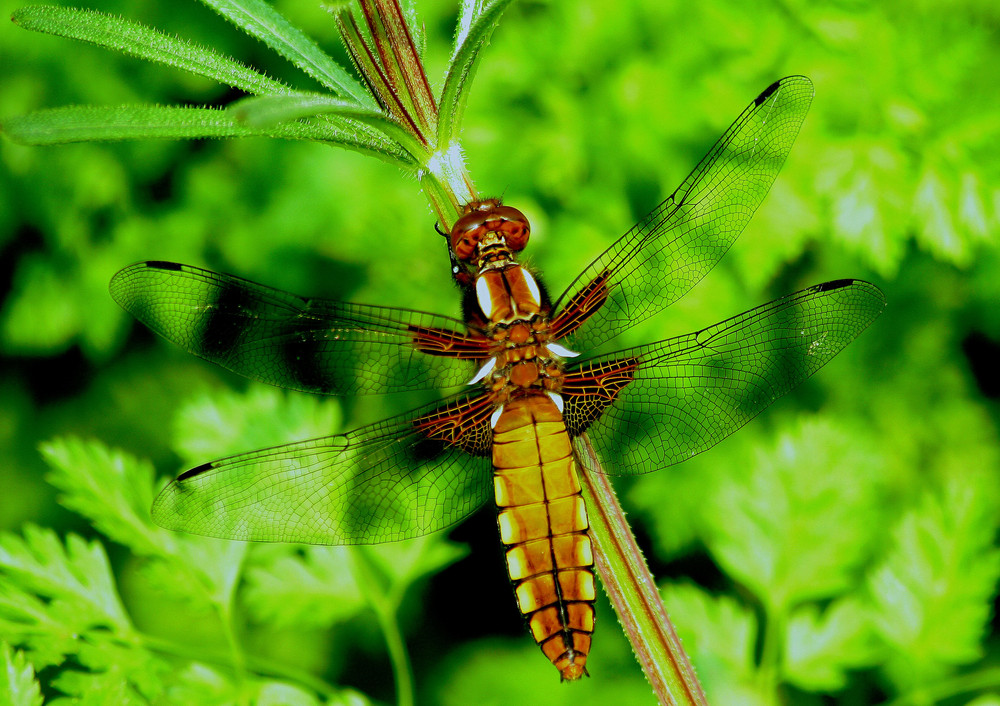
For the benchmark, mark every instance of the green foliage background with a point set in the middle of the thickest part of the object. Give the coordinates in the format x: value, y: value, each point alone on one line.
x: 840, y: 549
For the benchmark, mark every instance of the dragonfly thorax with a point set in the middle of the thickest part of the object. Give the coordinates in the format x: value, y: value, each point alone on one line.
x: 508, y: 295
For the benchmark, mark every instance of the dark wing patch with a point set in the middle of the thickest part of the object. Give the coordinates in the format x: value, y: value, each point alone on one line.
x: 314, y: 345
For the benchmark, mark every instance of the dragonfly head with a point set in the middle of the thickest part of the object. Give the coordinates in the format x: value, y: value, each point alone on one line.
x: 488, y: 231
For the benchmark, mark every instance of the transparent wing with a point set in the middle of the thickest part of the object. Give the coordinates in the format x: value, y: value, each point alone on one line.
x: 313, y: 345
x: 671, y: 249
x: 652, y: 406
x: 397, y: 479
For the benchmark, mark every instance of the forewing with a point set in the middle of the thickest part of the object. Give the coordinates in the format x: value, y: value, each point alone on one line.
x: 671, y: 249
x: 397, y: 479
x: 652, y: 406
x: 313, y: 345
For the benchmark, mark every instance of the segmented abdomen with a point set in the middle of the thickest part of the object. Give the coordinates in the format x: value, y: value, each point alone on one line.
x: 543, y: 523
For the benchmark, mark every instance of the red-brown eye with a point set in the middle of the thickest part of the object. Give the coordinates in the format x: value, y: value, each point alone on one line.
x: 516, y: 235
x: 465, y: 240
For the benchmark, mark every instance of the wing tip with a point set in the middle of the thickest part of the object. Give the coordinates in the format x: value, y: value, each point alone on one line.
x: 781, y: 82
x: 875, y: 295
x: 162, y: 265
x: 196, y: 471
x: 835, y: 284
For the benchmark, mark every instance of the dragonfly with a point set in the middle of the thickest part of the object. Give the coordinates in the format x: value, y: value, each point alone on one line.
x: 527, y: 375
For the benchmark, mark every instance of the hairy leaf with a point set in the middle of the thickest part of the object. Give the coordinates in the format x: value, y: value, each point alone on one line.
x: 129, y: 122
x: 261, y: 20
x: 144, y: 42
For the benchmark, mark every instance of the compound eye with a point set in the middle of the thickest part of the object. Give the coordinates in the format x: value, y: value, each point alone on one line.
x: 514, y: 227
x: 516, y: 235
x: 464, y: 243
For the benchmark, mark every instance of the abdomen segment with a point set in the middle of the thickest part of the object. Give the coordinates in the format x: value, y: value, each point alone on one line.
x: 543, y: 523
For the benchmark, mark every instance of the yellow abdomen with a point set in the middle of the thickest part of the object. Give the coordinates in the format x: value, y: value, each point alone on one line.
x: 543, y: 523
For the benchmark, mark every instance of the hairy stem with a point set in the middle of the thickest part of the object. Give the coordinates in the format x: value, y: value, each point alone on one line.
x: 633, y: 592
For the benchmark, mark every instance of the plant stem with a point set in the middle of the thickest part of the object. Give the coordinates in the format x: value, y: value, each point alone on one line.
x: 775, y: 617
x: 983, y: 680
x: 632, y: 590
x: 385, y: 613
x: 258, y: 664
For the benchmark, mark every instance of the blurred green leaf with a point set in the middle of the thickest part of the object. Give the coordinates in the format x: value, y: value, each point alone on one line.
x: 302, y: 588
x: 112, y: 489
x: 115, y: 491
x: 18, y: 686
x: 216, y: 424
x: 932, y: 594
x: 822, y: 646
x: 806, y: 492
x: 75, y: 575
x: 720, y: 635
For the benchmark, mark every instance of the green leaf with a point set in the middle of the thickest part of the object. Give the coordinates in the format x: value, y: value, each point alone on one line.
x: 261, y: 111
x: 118, y: 672
x: 112, y: 489
x: 932, y: 595
x: 719, y: 634
x: 820, y: 647
x: 115, y: 490
x: 96, y: 689
x: 468, y: 48
x: 400, y: 564
x: 76, y: 575
x: 260, y: 20
x: 79, y: 123
x: 279, y: 694
x: 788, y: 528
x: 225, y: 422
x: 18, y: 686
x: 302, y: 588
x: 264, y: 111
x: 514, y: 671
x: 135, y: 39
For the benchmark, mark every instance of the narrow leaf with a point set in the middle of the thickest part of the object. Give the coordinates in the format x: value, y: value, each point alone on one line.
x: 400, y: 58
x: 467, y: 15
x: 264, y: 111
x: 81, y: 123
x: 135, y: 39
x: 463, y: 64
x: 260, y: 20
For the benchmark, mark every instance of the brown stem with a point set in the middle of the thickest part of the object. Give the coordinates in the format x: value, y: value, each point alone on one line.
x: 632, y: 590
x: 408, y: 59
x: 374, y: 74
